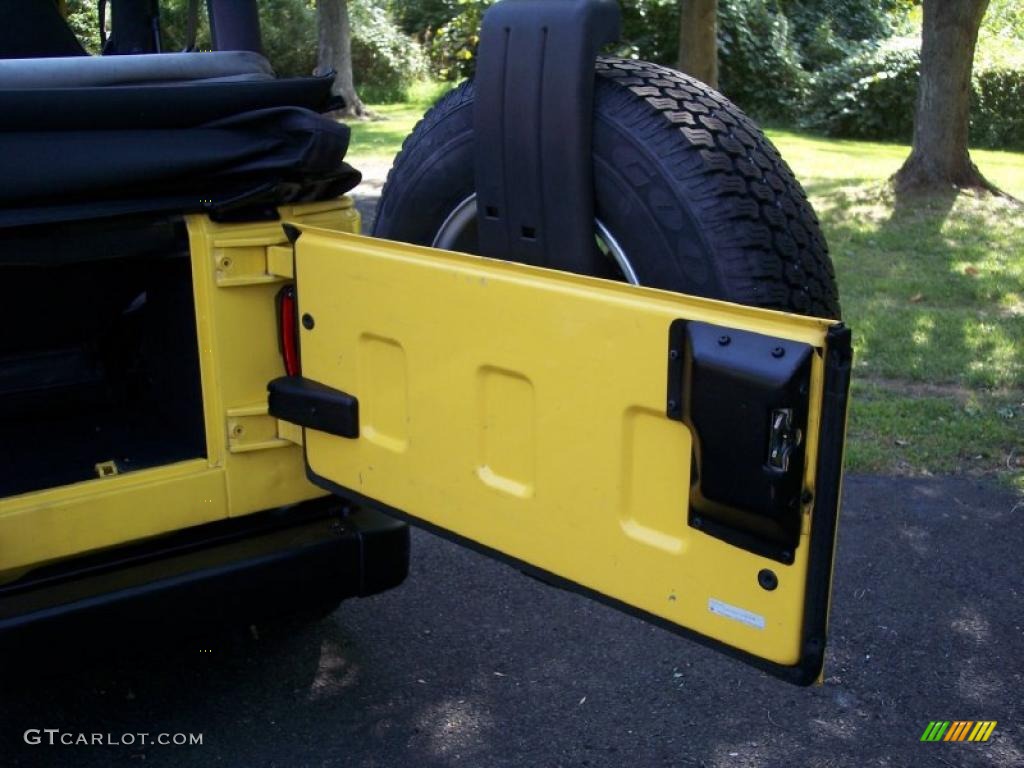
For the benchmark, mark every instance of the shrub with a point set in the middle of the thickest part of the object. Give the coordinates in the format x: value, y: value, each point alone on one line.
x: 759, y: 65
x: 1004, y: 18
x: 997, y: 109
x: 650, y: 31
x: 870, y: 95
x: 873, y: 96
x: 288, y: 29
x: 453, y: 47
x: 384, y: 59
x: 827, y: 30
x: 83, y: 20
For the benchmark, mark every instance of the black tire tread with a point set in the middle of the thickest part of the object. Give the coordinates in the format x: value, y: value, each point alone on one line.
x: 753, y: 213
x: 421, y: 137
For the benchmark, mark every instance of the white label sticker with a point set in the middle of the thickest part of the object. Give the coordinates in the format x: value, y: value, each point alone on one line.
x: 736, y: 614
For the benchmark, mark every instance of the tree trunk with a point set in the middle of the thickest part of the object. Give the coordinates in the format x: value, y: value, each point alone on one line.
x: 335, y: 53
x: 939, y: 158
x: 698, y: 40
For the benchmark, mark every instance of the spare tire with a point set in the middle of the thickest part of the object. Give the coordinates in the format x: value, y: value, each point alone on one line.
x: 690, y: 195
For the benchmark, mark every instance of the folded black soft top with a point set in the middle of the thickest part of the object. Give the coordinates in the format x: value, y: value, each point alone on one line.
x: 142, y: 69
x: 169, y: 105
x: 85, y: 137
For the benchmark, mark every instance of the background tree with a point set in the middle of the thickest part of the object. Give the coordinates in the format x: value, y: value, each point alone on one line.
x: 335, y: 53
x: 698, y: 40
x: 939, y: 156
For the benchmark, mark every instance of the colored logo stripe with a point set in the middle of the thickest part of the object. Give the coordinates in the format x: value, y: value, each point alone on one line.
x: 982, y: 731
x: 958, y: 730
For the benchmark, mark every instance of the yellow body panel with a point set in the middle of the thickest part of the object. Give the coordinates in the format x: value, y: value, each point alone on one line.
x: 237, y: 271
x: 524, y: 409
x: 239, y: 353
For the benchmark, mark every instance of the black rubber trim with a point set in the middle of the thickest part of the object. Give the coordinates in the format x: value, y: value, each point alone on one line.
x: 532, y: 123
x: 315, y: 552
x: 676, y: 362
x: 828, y: 489
x: 292, y: 233
x: 821, y: 547
x: 313, y: 405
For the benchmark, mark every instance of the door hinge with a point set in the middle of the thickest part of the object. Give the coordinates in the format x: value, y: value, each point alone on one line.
x: 252, y: 428
x: 253, y: 265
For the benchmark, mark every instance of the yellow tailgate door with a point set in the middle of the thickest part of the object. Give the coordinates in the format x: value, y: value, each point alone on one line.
x: 676, y: 457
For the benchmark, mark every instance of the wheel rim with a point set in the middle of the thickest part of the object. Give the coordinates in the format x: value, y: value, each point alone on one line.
x: 463, y: 216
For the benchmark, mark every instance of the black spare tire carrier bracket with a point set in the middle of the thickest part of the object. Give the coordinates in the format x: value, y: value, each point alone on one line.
x: 533, y: 115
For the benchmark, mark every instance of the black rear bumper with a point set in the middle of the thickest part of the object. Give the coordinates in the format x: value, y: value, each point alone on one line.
x: 307, y: 556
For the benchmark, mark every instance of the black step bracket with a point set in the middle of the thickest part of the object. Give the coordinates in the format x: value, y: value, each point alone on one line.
x: 533, y: 115
x: 314, y: 405
x: 745, y: 398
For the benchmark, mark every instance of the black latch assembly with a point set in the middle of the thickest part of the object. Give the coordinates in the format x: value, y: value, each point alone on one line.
x: 783, y: 437
x: 745, y: 397
x: 314, y: 405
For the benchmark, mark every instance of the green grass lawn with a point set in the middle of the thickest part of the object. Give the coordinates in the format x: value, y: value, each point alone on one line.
x: 934, y: 294
x: 377, y: 141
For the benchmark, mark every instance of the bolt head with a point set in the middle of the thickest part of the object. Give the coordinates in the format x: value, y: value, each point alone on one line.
x: 767, y: 579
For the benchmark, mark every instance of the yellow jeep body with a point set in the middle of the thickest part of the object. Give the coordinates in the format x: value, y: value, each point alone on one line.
x: 252, y: 462
x: 676, y: 457
x: 553, y: 420
x: 237, y: 532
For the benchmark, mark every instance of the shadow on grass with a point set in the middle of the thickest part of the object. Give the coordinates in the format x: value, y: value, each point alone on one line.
x: 933, y: 287
x: 907, y: 209
x: 822, y: 187
x: 933, y: 291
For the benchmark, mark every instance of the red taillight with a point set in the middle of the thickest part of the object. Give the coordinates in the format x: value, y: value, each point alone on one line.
x: 287, y: 323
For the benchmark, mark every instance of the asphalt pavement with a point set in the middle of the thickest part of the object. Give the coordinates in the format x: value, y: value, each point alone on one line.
x: 471, y: 663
